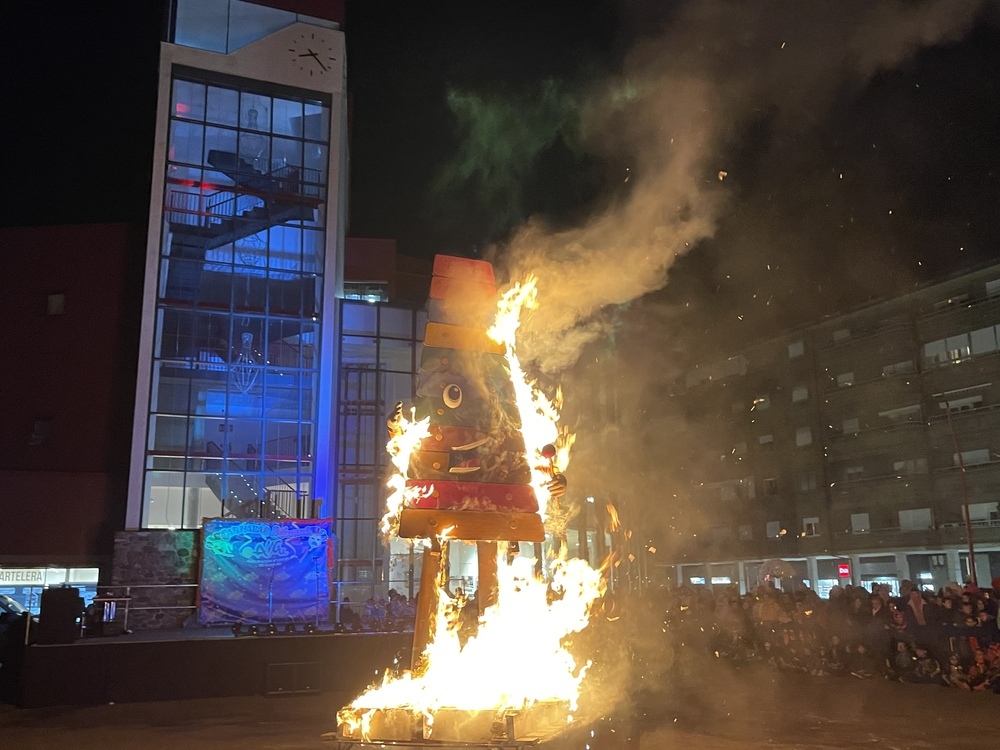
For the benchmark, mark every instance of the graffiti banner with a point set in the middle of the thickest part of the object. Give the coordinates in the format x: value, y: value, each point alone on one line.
x: 258, y: 571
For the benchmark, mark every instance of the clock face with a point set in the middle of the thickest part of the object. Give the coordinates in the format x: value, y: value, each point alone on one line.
x: 313, y: 52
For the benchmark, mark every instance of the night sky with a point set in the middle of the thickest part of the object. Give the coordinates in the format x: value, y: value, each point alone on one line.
x: 468, y: 118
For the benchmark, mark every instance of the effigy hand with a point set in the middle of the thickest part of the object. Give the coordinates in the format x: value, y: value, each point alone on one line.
x: 393, y: 422
x: 557, y: 485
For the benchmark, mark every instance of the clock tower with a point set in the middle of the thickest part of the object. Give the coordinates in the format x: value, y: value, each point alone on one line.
x: 237, y: 367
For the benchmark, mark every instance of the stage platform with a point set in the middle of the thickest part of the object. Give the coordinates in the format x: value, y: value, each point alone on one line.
x: 202, y: 663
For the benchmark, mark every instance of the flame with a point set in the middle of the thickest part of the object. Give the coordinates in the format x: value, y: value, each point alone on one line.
x: 539, y: 414
x: 518, y: 656
x: 520, y: 646
x: 614, y: 524
x: 406, y: 438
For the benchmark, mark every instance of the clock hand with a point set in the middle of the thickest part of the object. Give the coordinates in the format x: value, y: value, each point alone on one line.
x: 318, y: 61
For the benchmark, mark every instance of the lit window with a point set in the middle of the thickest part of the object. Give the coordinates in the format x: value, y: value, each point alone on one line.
x: 958, y: 347
x: 773, y: 529
x: 850, y: 426
x: 916, y: 519
x: 860, y: 523
x: 803, y: 436
x: 841, y: 334
x: 796, y: 349
x: 761, y: 402
x: 973, y: 457
x: 766, y: 440
x: 800, y: 393
x: 810, y: 526
x: 984, y: 340
x: 845, y: 379
x: 983, y: 512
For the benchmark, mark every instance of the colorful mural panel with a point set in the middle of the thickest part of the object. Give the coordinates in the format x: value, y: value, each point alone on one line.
x: 261, y: 571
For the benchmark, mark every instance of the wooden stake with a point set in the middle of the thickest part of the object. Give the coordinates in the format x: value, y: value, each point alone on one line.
x: 487, y: 554
x: 426, y: 603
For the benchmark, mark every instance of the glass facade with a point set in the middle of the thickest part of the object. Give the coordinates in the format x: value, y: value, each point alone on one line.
x: 380, y: 352
x: 233, y: 401
x: 226, y: 25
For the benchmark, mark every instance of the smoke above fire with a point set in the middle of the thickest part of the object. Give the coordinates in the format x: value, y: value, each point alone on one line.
x: 684, y: 104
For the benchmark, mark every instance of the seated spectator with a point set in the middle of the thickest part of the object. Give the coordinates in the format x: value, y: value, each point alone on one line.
x: 860, y: 662
x: 902, y: 665
x: 926, y: 670
x: 956, y: 676
x: 978, y: 676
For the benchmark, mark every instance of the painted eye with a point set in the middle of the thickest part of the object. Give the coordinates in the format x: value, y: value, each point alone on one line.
x: 452, y: 396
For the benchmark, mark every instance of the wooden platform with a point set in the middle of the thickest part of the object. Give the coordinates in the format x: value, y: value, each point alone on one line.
x: 450, y: 725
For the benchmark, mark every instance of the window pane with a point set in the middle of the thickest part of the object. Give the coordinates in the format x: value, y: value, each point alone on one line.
x: 984, y: 341
x: 185, y: 142
x: 396, y: 355
x: 249, y: 22
x: 288, y: 117
x: 164, y: 499
x: 316, y: 159
x: 312, y: 250
x: 168, y: 434
x: 317, y: 122
x: 223, y: 106
x: 188, y: 100
x: 285, y: 247
x: 359, y: 317
x: 223, y: 142
x: 396, y: 322
x: 255, y: 112
x: 286, y: 152
x: 202, y: 24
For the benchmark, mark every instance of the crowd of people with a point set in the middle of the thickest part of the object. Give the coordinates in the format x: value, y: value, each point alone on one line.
x: 395, y: 614
x: 949, y: 637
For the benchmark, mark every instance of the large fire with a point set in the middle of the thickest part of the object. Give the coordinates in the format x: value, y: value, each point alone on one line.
x: 519, y: 656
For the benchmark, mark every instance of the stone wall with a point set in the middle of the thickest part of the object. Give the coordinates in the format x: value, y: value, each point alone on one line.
x: 157, y: 565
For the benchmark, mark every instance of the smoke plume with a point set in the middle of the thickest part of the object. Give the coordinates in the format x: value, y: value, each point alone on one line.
x: 676, y: 115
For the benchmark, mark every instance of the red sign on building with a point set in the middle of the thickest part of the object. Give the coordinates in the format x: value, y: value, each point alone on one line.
x: 844, y: 570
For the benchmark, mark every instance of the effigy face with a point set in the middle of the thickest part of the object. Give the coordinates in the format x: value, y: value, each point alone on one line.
x: 474, y: 457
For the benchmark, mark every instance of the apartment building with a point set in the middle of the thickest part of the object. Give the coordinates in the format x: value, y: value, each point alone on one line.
x: 850, y: 448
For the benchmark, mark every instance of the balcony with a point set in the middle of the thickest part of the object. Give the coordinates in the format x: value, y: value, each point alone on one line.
x: 944, y: 534
x: 899, y: 380
x: 898, y: 329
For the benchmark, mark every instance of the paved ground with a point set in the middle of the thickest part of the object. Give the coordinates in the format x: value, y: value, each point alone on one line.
x: 722, y: 709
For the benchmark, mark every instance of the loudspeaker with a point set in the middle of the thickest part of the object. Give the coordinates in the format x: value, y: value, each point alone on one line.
x: 57, y: 618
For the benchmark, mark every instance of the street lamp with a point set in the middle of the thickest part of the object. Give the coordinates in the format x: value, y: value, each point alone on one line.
x: 965, y: 494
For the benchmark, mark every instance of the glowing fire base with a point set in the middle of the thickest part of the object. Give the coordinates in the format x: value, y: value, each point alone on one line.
x: 450, y: 725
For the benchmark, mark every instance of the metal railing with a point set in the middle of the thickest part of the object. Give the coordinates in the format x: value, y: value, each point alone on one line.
x: 113, y: 597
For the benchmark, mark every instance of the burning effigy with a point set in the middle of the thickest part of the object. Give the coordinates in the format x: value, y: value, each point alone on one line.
x: 478, y: 459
